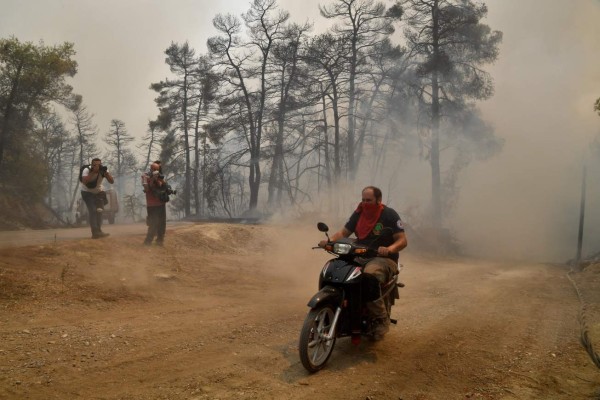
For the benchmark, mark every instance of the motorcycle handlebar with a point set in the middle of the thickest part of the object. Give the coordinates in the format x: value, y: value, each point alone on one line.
x: 370, y: 251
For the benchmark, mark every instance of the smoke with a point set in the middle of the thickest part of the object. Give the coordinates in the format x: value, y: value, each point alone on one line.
x: 523, y: 203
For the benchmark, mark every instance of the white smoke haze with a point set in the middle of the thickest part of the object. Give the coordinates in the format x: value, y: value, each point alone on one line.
x: 524, y: 203
x: 521, y: 204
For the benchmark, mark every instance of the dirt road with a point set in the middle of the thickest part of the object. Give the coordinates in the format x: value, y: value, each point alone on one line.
x: 216, y: 314
x: 46, y: 236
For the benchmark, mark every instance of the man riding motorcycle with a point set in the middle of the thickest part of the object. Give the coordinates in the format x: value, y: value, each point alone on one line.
x: 369, y: 222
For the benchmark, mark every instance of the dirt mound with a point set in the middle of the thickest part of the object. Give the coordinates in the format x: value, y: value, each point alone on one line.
x: 118, y: 269
x: 19, y: 213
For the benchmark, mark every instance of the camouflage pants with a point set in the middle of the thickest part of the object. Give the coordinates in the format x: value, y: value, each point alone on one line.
x: 381, y: 268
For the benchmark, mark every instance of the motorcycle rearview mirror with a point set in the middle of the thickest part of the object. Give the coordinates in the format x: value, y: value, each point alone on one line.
x: 323, y: 228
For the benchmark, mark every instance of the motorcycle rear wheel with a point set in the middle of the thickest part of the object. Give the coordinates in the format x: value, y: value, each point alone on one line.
x: 315, y: 349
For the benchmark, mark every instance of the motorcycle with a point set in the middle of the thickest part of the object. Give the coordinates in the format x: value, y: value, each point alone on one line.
x: 339, y: 309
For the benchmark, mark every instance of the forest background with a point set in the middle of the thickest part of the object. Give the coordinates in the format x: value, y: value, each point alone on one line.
x: 475, y: 121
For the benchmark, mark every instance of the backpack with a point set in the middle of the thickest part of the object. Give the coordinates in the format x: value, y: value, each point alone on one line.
x: 89, y: 185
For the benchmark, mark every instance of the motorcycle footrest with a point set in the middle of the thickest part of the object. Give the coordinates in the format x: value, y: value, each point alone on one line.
x: 400, y: 284
x: 393, y: 321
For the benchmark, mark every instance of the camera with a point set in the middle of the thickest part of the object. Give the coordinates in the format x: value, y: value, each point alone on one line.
x: 164, y: 194
x: 103, y: 168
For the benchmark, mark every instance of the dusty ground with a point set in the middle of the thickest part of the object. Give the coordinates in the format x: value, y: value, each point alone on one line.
x: 216, y: 314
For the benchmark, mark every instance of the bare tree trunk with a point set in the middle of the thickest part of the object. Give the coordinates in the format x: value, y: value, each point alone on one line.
x: 435, y: 132
x: 351, y: 117
x: 197, y: 197
x: 204, y: 175
x: 254, y: 178
x: 326, y: 143
x: 435, y: 159
x: 336, y: 141
x: 186, y: 135
x: 366, y: 122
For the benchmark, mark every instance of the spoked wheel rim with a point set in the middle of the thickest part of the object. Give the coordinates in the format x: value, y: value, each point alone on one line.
x: 315, y: 347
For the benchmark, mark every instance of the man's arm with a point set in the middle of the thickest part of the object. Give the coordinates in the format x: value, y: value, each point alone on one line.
x: 145, y: 182
x: 342, y: 233
x: 88, y: 176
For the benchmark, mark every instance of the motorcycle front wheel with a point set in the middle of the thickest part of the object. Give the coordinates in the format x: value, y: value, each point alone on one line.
x: 314, y: 347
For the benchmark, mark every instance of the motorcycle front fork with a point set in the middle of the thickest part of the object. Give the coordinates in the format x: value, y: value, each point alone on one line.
x: 330, y: 335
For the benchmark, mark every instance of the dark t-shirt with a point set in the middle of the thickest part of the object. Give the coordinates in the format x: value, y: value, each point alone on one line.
x: 389, y: 218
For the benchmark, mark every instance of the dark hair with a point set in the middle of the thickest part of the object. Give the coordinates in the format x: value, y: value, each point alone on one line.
x: 96, y: 159
x: 376, y: 192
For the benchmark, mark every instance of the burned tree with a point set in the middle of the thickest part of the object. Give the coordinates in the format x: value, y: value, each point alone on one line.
x: 449, y: 46
x: 244, y: 63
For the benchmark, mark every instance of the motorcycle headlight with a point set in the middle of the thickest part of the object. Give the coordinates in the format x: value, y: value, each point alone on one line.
x: 341, y: 248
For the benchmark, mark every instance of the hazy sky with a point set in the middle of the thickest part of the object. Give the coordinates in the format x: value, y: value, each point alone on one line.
x: 547, y: 78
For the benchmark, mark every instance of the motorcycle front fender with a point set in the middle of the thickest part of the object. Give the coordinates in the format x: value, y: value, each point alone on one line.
x: 327, y: 294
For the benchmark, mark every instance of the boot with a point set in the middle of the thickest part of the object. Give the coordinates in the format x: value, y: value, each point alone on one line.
x: 99, y: 234
x: 381, y: 326
x: 381, y: 320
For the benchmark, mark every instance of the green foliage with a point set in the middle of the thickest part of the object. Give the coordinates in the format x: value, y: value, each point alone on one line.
x: 170, y: 147
x: 395, y: 12
x: 597, y: 106
x: 450, y: 44
x: 24, y: 173
x: 31, y: 78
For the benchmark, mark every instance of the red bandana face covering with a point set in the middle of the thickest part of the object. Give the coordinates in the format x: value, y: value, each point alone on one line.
x: 369, y: 215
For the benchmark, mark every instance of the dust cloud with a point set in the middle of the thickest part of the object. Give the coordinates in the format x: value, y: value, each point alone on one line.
x: 288, y: 255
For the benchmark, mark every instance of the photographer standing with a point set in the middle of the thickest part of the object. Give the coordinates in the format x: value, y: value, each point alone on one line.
x: 94, y: 196
x: 155, y: 188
